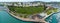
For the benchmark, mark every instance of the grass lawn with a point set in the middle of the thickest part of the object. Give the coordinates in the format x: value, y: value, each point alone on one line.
x: 30, y: 10
x: 27, y: 10
x: 51, y: 11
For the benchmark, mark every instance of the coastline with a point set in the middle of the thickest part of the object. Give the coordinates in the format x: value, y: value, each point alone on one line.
x: 50, y: 14
x: 27, y: 19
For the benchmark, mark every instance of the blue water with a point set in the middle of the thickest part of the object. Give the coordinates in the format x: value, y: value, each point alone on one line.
x: 54, y: 18
x: 7, y: 18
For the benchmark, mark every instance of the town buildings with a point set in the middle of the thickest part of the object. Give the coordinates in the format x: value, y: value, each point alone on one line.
x: 21, y: 3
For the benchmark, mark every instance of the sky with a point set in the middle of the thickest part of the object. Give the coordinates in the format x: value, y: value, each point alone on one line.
x: 29, y: 0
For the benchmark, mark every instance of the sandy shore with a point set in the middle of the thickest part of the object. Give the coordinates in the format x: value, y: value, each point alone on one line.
x: 28, y: 19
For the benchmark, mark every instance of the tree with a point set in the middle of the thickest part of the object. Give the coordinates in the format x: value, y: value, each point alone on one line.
x: 44, y: 4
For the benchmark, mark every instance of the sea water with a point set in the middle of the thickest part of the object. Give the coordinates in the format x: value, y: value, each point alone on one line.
x: 54, y: 18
